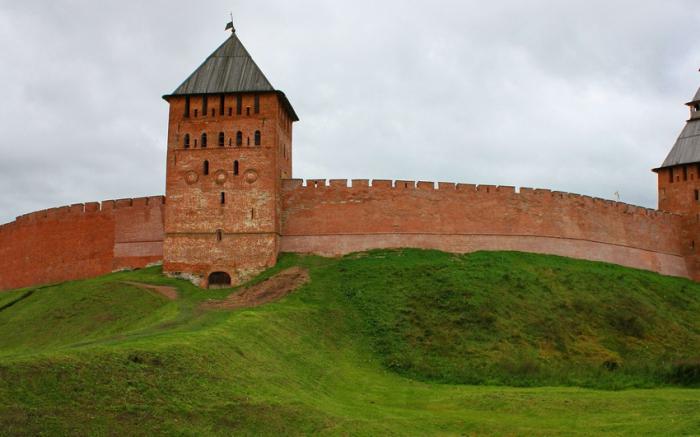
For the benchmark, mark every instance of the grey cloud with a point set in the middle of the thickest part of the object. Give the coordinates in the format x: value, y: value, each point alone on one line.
x: 582, y: 96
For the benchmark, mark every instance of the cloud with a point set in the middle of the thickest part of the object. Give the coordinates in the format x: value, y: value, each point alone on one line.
x: 575, y: 96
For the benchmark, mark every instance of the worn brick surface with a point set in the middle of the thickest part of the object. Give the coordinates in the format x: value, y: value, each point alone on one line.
x: 335, y: 219
x: 80, y: 241
x: 241, y: 236
x: 679, y: 192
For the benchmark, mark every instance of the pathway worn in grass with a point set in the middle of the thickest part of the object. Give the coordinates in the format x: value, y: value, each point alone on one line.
x: 103, y: 358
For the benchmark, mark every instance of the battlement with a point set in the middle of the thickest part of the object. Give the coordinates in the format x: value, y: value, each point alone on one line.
x: 81, y: 240
x: 79, y: 209
x: 352, y: 186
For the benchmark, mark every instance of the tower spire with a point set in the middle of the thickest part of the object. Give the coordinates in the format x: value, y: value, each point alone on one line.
x: 229, y: 25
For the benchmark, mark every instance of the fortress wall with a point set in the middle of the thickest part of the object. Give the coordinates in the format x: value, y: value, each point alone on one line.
x: 80, y: 241
x: 338, y: 216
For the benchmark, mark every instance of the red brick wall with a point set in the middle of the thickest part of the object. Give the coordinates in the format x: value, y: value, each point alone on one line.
x: 334, y: 219
x: 679, y: 192
x: 80, y: 241
x: 88, y: 240
x: 248, y: 222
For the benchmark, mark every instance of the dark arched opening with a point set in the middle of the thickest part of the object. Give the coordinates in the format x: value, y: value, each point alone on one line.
x: 187, y: 141
x: 219, y: 280
x: 204, y: 140
x: 257, y: 137
x: 239, y: 138
x: 205, y: 168
x: 221, y: 139
x: 235, y: 168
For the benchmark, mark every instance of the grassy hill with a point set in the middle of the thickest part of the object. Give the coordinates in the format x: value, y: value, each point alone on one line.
x: 376, y: 343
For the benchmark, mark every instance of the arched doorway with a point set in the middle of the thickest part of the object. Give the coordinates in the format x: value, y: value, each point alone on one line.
x: 219, y: 280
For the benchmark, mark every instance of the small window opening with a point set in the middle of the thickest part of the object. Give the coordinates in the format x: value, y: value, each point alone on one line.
x: 247, y: 110
x: 196, y: 112
x: 235, y: 168
x: 222, y: 139
x: 223, y: 198
x: 204, y: 140
x: 697, y: 195
x: 248, y: 141
x: 205, y: 168
x: 239, y: 104
x: 230, y: 111
x: 239, y: 138
x: 187, y: 106
x: 222, y: 103
x: 252, y: 213
x: 205, y: 104
x: 187, y: 141
x: 257, y: 138
x: 256, y: 104
x: 219, y: 235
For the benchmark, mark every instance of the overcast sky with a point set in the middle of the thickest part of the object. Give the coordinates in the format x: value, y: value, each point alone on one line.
x: 580, y: 96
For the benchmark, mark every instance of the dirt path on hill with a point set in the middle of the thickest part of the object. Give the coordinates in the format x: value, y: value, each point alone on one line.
x: 163, y: 290
x: 269, y: 290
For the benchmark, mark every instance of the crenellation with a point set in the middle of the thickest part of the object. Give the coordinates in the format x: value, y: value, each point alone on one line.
x: 338, y: 183
x: 141, y: 202
x: 359, y: 183
x: 123, y: 203
x: 425, y: 186
x: 467, y: 188
x: 291, y: 184
x: 447, y: 186
x: 404, y: 185
x: 382, y: 183
x: 156, y: 201
x: 316, y: 183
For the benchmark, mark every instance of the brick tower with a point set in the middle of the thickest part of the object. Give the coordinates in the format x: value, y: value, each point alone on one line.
x: 229, y: 147
x: 679, y: 184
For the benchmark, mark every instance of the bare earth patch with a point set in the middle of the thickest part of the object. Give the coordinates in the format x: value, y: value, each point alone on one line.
x: 169, y: 292
x: 269, y: 290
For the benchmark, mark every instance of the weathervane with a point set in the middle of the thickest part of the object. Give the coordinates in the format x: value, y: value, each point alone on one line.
x: 229, y: 25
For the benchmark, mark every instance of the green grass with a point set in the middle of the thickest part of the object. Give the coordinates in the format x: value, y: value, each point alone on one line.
x: 381, y: 343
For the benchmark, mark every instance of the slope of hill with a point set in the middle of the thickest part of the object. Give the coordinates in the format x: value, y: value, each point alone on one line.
x: 375, y: 343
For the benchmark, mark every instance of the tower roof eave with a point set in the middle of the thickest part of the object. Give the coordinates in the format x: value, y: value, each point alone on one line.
x: 229, y: 69
x: 686, y: 150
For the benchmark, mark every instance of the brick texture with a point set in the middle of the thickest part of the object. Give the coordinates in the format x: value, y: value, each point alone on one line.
x: 80, y: 241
